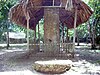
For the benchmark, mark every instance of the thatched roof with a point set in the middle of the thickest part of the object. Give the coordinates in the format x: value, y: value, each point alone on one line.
x: 36, y: 12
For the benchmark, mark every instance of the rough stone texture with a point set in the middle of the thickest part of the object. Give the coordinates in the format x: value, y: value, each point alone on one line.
x: 52, y: 67
x: 51, y: 30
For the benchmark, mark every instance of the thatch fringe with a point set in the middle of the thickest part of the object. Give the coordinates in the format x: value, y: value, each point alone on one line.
x: 17, y: 14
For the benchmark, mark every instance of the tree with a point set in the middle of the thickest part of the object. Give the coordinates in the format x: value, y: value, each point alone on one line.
x: 95, y: 20
x: 5, y: 5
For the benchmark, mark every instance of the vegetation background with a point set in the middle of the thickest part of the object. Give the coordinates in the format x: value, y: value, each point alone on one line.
x: 86, y: 30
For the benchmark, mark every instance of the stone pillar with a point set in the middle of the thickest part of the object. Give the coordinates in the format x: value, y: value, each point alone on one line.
x: 51, y: 30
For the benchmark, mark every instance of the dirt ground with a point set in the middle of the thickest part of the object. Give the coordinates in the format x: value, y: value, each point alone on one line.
x: 85, y: 62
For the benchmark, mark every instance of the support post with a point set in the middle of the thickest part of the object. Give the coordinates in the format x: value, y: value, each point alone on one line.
x: 39, y: 33
x: 53, y: 2
x: 35, y: 35
x: 74, y: 36
x: 67, y: 38
x: 38, y: 47
x: 26, y: 13
x: 63, y: 33
x: 27, y: 33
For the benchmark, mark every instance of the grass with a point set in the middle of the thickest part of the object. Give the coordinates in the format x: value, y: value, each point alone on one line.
x: 98, y: 61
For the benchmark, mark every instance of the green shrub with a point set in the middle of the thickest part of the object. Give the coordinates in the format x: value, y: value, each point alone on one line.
x: 98, y: 39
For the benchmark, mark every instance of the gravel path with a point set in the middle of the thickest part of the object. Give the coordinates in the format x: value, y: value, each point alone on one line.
x: 84, y: 63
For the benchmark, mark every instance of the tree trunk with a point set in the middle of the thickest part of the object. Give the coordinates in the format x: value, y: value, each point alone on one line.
x: 93, y: 38
x: 63, y: 34
x: 51, y: 30
x: 7, y: 37
x: 67, y: 37
x: 77, y: 38
x: 90, y: 33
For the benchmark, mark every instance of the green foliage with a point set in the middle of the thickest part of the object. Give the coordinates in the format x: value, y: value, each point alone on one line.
x: 70, y: 33
x: 41, y: 29
x: 98, y: 40
x: 95, y: 4
x: 82, y: 31
x: 5, y: 5
x: 98, y: 61
x: 94, y: 21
